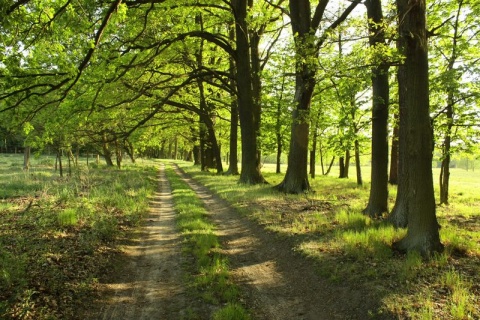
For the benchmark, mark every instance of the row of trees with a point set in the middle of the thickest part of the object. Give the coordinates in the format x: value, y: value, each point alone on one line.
x: 140, y: 75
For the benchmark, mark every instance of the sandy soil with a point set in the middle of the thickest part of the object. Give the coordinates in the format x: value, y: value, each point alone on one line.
x: 147, y: 283
x: 277, y: 282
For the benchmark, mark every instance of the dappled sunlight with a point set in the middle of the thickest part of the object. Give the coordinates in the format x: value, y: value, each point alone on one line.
x: 268, y: 275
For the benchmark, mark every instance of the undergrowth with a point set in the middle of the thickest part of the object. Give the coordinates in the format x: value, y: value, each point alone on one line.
x: 58, y: 235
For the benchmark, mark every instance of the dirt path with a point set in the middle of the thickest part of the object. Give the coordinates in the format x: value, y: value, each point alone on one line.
x: 277, y: 283
x: 280, y: 284
x: 149, y: 285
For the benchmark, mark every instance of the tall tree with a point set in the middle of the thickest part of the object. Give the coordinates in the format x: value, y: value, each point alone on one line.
x: 249, y: 110
x: 455, y: 29
x: 307, y: 46
x: 377, y: 202
x: 416, y: 135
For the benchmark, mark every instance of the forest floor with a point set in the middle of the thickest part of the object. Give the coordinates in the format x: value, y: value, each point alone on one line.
x: 275, y: 281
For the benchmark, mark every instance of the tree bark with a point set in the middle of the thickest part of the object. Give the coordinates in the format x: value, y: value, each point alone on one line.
x: 248, y: 112
x: 393, y: 176
x: 341, y: 167
x: 416, y: 135
x: 296, y: 177
x: 357, y: 163
x: 378, y: 199
x: 233, y: 146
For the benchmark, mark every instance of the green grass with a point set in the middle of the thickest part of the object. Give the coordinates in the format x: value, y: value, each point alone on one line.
x: 57, y: 235
x: 327, y: 226
x: 210, y: 278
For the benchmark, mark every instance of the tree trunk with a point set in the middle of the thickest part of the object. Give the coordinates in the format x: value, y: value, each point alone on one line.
x: 445, y: 168
x: 233, y: 147
x: 347, y: 163
x: 60, y: 166
x: 416, y: 135
x: 321, y: 158
x: 69, y: 163
x: 341, y: 167
x: 357, y: 163
x: 196, y: 155
x: 330, y: 166
x: 312, y: 163
x: 398, y: 216
x: 313, y: 152
x: 378, y: 200
x: 446, y: 151
x: 394, y: 153
x: 248, y: 112
x: 107, y: 154
x: 130, y: 150
x: 296, y: 177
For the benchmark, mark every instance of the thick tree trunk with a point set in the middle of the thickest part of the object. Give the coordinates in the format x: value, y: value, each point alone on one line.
x: 378, y: 199
x: 416, y: 136
x: 296, y: 177
x: 248, y: 112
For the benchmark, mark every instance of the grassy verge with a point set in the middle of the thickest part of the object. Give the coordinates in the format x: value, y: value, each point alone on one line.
x: 328, y: 227
x: 58, y: 235
x: 210, y: 278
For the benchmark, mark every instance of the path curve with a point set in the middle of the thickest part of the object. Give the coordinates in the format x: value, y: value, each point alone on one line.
x: 280, y: 283
x: 149, y: 286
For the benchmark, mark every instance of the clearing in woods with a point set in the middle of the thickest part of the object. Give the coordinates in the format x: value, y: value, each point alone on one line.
x: 276, y: 282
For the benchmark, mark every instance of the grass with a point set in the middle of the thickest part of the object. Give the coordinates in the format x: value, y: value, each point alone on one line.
x: 210, y: 279
x: 328, y: 227
x: 58, y: 235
